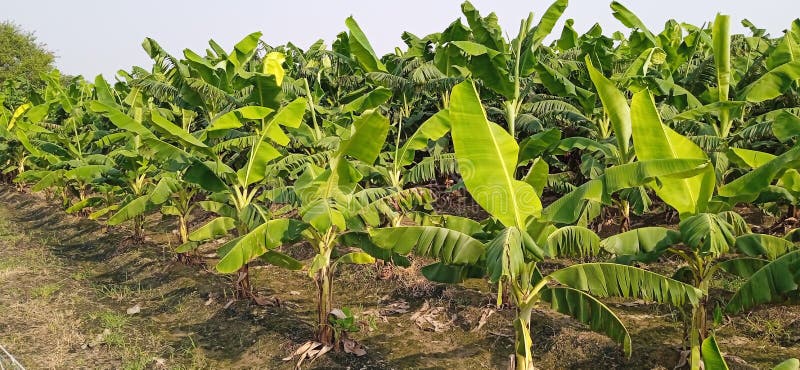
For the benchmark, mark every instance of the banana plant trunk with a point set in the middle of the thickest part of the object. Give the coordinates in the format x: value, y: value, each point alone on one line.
x: 625, y: 212
x: 325, y: 333
x: 698, y: 333
x: 523, y: 354
x: 183, y: 234
x: 242, y: 287
x: 138, y: 227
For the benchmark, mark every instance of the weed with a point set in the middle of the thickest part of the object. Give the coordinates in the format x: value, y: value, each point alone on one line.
x: 45, y: 291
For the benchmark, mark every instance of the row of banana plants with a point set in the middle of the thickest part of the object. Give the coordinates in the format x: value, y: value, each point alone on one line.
x: 344, y: 153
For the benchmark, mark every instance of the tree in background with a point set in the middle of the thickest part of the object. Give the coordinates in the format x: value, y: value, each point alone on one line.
x: 22, y: 59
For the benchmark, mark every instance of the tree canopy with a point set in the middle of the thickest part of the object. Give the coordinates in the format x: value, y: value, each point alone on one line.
x: 22, y: 56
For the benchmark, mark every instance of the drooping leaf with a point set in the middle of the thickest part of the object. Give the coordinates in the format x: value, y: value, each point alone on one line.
x: 589, y: 311
x: 212, y: 229
x: 448, y: 246
x: 772, y: 84
x: 707, y: 233
x: 769, y: 284
x: 743, y: 267
x: 263, y: 238
x: 572, y: 241
x: 763, y: 245
x: 614, y: 280
x: 432, y: 129
x: 644, y: 244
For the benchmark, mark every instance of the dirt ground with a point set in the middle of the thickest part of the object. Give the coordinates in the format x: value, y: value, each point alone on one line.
x: 74, y: 294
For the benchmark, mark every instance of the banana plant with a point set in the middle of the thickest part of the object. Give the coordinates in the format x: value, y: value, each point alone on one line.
x: 15, y: 130
x: 234, y: 191
x: 705, y: 236
x: 482, y: 52
x: 333, y: 208
x: 487, y: 157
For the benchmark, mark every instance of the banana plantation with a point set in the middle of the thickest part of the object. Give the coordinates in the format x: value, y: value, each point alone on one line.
x: 602, y: 184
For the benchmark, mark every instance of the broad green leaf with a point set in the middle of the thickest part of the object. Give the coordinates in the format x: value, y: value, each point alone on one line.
x: 773, y: 83
x: 322, y: 215
x: 752, y: 183
x: 786, y: 126
x: 237, y: 117
x: 750, y: 158
x: 548, y: 21
x: 448, y: 246
x: 587, y: 145
x: 88, y: 202
x: 640, y: 66
x: 361, y: 48
x: 370, y: 100
x: 712, y: 358
x: 615, y: 106
x: 572, y: 241
x: 735, y: 108
x: 763, y: 245
x: 432, y: 129
x: 644, y: 244
x: 485, y: 30
x: 487, y: 158
x: 743, y: 267
x: 357, y: 258
x: 121, y: 120
x: 87, y: 173
x: 103, y: 91
x: 199, y: 173
x: 790, y: 364
x: 175, y: 131
x: 560, y: 85
x: 614, y: 280
x: 263, y: 238
x: 281, y: 260
x: 643, y: 172
x: 653, y: 140
x: 537, y: 175
x: 362, y: 240
x: 292, y: 114
x: 369, y: 135
x: 212, y: 229
x: 630, y: 20
x: 568, y: 208
x: 707, y: 233
x: 783, y: 53
x: 769, y: 284
x: 538, y: 143
x: 244, y: 50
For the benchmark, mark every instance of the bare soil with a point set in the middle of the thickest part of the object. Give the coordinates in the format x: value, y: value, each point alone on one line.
x: 67, y: 286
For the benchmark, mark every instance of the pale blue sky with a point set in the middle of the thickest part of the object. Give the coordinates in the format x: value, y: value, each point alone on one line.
x: 102, y: 36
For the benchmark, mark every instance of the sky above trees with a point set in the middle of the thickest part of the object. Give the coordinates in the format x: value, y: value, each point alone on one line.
x: 91, y: 37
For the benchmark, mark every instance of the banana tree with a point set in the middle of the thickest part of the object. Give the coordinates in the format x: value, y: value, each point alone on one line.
x: 333, y: 207
x: 234, y: 191
x: 487, y: 157
x: 499, y: 65
x: 705, y: 236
